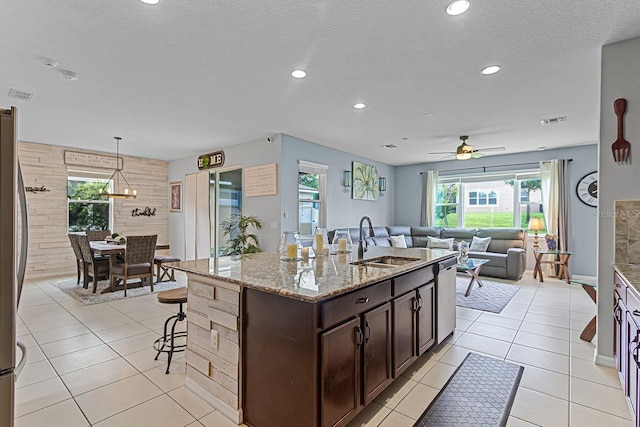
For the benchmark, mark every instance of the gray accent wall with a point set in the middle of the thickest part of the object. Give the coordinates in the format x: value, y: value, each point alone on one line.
x: 342, y: 210
x: 267, y: 208
x: 408, y: 188
x: 620, y: 71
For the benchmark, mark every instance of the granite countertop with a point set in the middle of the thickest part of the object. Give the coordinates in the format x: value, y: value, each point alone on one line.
x: 630, y: 273
x: 314, y: 280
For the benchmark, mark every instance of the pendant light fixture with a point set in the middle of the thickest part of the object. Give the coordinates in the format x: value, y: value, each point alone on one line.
x: 120, y: 192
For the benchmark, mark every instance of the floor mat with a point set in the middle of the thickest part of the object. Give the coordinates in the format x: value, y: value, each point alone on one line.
x: 87, y: 297
x: 491, y: 297
x: 479, y: 393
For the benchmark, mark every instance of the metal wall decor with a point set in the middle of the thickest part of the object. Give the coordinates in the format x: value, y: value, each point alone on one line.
x: 143, y: 212
x: 365, y: 182
x: 41, y: 189
x: 211, y: 160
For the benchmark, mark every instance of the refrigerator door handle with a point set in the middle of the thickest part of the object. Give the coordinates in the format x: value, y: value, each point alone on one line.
x: 23, y: 359
x: 24, y: 239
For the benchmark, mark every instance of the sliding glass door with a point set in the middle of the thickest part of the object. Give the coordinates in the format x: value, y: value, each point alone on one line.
x: 225, y: 198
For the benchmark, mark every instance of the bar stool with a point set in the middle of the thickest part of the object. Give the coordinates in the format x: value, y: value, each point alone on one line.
x: 163, y: 271
x: 166, y: 343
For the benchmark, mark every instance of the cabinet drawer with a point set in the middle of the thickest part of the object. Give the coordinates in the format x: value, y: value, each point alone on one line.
x: 620, y: 287
x: 412, y: 280
x: 353, y: 304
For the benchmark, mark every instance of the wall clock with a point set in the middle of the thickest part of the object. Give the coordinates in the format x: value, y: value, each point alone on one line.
x: 587, y: 189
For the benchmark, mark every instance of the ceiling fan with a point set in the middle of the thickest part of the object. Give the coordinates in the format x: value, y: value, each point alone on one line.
x: 466, y: 152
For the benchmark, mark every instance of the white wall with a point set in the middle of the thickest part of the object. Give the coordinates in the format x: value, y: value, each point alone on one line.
x: 267, y: 208
x: 620, y: 71
x: 584, y: 218
x: 342, y: 210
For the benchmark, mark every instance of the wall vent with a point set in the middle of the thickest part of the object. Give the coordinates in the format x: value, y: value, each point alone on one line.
x: 20, y: 94
x: 389, y: 146
x: 553, y: 121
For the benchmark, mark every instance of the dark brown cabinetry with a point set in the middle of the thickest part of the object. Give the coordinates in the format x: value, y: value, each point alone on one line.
x: 626, y: 325
x: 319, y: 364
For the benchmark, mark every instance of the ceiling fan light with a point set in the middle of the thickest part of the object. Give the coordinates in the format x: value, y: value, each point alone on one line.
x: 463, y: 156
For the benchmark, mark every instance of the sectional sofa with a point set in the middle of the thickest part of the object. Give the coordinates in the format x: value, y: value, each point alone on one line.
x: 506, y: 252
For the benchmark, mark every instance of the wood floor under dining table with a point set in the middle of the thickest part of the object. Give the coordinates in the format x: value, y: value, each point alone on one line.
x: 102, y: 247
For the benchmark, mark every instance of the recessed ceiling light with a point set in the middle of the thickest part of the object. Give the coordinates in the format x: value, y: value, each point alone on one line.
x: 69, y: 75
x: 541, y: 148
x: 298, y: 74
x: 458, y: 7
x: 389, y: 146
x: 359, y: 106
x: 150, y: 1
x: 491, y: 69
x: 428, y: 114
x: 49, y: 63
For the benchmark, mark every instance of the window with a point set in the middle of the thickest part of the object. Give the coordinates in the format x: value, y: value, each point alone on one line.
x: 87, y: 211
x: 503, y: 200
x: 311, y: 197
x: 483, y: 198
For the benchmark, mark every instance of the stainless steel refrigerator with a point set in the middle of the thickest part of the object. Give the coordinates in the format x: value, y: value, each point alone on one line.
x: 12, y: 260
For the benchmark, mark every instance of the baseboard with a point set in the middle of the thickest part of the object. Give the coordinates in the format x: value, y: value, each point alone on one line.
x: 607, y: 361
x: 234, y: 415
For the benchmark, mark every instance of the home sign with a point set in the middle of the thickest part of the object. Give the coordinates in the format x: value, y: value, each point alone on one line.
x: 211, y: 160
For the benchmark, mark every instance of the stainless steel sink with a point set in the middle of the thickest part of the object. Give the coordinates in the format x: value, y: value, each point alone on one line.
x: 385, y: 261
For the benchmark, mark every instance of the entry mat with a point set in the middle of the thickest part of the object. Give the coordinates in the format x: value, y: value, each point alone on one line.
x: 479, y: 393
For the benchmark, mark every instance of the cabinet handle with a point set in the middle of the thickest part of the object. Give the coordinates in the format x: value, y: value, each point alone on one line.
x: 362, y: 300
x: 636, y: 312
x: 368, y: 334
x: 617, y: 285
x: 359, y: 337
x: 414, y: 301
x: 634, y: 353
x: 419, y: 302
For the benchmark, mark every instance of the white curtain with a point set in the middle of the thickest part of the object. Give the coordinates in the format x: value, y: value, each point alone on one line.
x: 429, y: 198
x: 554, y: 177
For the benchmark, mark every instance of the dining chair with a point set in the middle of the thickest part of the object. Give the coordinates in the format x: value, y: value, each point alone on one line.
x: 138, y: 261
x: 73, y: 238
x: 95, y: 267
x: 96, y: 235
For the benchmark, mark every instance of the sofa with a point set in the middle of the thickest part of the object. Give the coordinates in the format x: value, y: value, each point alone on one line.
x: 506, y: 252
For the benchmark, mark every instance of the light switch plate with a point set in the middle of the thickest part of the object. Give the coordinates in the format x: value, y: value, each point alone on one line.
x: 214, y: 339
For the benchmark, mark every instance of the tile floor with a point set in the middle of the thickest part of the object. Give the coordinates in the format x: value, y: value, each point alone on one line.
x: 93, y: 365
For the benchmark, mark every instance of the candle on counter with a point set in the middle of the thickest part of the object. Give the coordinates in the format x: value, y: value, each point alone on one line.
x: 292, y: 250
x: 305, y: 254
x: 319, y: 244
x: 342, y: 244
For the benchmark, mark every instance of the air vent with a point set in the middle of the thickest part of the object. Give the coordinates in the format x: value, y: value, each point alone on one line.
x: 554, y: 121
x: 21, y: 95
x: 389, y: 146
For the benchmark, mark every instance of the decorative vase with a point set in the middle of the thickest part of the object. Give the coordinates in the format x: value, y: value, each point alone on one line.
x: 289, y: 246
x: 463, y: 252
x: 342, y: 241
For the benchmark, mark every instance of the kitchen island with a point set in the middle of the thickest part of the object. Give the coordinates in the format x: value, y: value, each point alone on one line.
x: 275, y: 342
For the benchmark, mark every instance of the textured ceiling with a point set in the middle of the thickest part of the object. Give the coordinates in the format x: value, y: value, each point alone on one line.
x: 185, y: 77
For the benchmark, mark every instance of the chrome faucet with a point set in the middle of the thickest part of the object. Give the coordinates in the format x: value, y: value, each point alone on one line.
x: 362, y: 243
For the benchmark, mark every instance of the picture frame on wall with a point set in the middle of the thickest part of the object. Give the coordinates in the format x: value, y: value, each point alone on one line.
x: 365, y: 182
x: 175, y: 196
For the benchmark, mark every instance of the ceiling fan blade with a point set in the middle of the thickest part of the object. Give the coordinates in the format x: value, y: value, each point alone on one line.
x: 492, y: 149
x: 443, y: 152
x: 476, y: 155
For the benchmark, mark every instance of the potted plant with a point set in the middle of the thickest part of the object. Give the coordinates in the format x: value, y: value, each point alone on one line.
x: 236, y: 227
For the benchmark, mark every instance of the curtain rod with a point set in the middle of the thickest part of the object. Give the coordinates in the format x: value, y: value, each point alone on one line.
x: 484, y: 168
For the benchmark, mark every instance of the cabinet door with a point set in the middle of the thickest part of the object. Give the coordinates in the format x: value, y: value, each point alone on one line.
x: 426, y: 315
x: 340, y: 366
x: 619, y: 348
x: 377, y: 351
x: 404, y: 332
x: 631, y: 389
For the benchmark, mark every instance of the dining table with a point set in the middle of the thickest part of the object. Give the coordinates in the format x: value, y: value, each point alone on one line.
x: 103, y: 247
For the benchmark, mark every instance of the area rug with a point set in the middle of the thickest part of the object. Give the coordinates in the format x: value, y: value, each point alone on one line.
x: 87, y: 297
x: 491, y: 297
x: 479, y: 393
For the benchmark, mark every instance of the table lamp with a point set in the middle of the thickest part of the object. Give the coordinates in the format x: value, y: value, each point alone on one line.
x: 536, y: 224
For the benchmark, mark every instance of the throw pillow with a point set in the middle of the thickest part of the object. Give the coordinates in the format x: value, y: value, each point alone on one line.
x: 480, y: 244
x: 434, y: 243
x: 398, y: 241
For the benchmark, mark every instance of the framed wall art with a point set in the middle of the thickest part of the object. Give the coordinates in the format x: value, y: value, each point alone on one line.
x: 365, y: 182
x: 175, y: 196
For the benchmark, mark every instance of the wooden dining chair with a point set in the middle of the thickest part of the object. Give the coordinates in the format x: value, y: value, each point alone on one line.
x: 96, y: 235
x: 73, y: 238
x: 95, y: 267
x: 138, y: 261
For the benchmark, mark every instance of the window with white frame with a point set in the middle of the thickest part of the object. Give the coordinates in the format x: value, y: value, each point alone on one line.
x: 504, y: 199
x: 312, y: 207
x: 86, y: 209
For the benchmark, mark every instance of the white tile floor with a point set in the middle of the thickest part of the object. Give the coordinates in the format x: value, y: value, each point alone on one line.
x: 93, y: 365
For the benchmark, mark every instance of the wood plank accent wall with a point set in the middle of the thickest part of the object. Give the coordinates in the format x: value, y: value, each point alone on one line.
x: 50, y: 252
